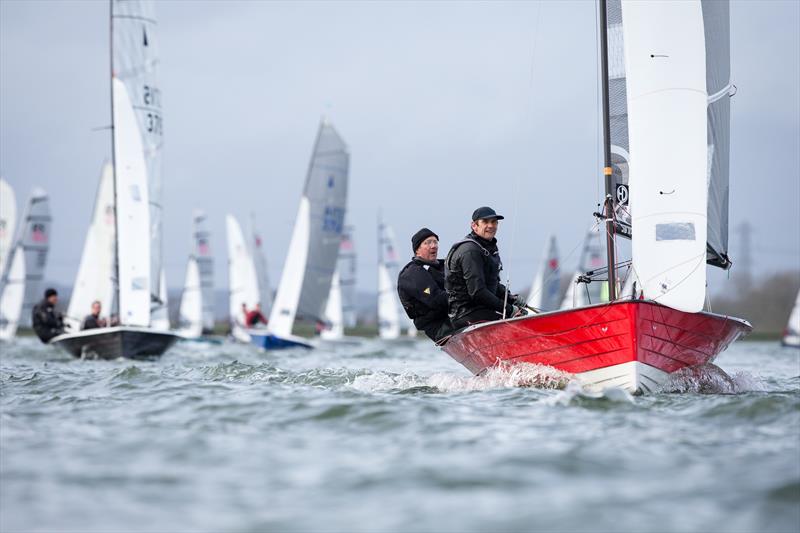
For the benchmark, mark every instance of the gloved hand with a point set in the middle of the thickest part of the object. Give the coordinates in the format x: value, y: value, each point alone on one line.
x: 517, y: 300
x: 519, y: 311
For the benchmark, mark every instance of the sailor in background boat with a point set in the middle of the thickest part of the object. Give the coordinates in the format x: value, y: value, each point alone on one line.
x: 93, y: 320
x: 47, y: 322
x: 421, y: 287
x: 254, y: 317
x: 472, y: 275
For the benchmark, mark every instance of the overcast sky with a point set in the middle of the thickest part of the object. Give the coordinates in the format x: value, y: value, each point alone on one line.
x: 445, y: 107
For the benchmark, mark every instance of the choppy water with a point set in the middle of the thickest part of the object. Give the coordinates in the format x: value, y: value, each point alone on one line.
x: 383, y: 437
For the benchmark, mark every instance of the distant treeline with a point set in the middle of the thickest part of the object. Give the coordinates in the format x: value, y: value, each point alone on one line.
x: 765, y: 303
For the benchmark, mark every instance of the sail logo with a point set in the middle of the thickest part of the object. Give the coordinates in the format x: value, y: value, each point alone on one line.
x: 333, y: 219
x: 39, y: 233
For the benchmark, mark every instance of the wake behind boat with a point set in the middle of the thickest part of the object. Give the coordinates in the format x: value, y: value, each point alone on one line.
x: 669, y: 111
x: 120, y: 262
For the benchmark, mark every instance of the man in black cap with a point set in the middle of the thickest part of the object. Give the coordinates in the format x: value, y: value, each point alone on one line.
x: 47, y: 323
x: 421, y: 287
x: 472, y: 274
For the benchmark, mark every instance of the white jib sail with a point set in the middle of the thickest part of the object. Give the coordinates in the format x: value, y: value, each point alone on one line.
x: 242, y: 282
x: 95, y: 279
x: 667, y: 104
x: 333, y: 311
x: 792, y: 333
x: 133, y: 213
x: 190, y: 315
x: 12, y: 293
x: 8, y: 223
x: 159, y: 315
x: 262, y: 275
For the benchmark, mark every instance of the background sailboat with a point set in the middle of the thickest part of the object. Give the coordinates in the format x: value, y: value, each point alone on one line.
x: 136, y: 148
x: 546, y: 285
x: 8, y: 222
x: 203, y: 254
x: 190, y: 314
x: 392, y: 319
x: 791, y: 334
x: 21, y: 283
x: 347, y: 269
x: 196, y: 311
x: 311, y: 260
x: 581, y: 294
x: 242, y: 280
x: 260, y: 264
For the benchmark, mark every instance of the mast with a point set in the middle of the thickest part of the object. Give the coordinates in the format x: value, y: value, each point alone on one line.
x: 608, y: 205
x: 115, y: 304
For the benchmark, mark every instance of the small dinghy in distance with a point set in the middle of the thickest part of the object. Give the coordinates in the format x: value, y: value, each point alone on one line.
x: 791, y: 334
x: 136, y: 146
x: 392, y: 319
x: 23, y: 261
x: 671, y: 115
x: 313, y: 251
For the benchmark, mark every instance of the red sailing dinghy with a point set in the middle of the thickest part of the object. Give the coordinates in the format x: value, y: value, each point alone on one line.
x: 666, y: 133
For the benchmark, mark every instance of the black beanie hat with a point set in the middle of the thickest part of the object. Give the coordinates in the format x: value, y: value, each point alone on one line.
x: 50, y: 292
x: 419, y: 237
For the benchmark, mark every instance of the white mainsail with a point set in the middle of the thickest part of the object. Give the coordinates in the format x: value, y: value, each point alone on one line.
x: 311, y: 259
x: 205, y: 265
x: 135, y: 64
x: 333, y: 311
x: 667, y: 105
x: 133, y: 213
x: 592, y: 258
x: 190, y: 315
x: 95, y: 279
x: 669, y: 133
x: 242, y: 280
x: 544, y: 294
x: 8, y: 222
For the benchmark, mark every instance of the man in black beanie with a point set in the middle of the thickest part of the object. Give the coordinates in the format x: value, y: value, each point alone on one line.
x: 47, y: 322
x: 421, y: 287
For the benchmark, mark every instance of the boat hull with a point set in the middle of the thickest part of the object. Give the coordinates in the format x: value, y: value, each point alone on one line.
x: 269, y: 341
x: 632, y: 344
x: 116, y: 342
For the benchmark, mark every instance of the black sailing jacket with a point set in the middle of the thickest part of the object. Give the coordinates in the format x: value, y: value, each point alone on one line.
x: 47, y: 323
x: 421, y: 289
x: 472, y: 277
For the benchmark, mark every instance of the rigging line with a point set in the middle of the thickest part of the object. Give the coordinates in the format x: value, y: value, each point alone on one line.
x: 597, y: 141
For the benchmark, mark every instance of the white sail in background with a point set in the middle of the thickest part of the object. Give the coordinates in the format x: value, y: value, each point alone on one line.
x: 242, y: 281
x: 791, y: 335
x: 133, y: 213
x: 12, y: 292
x: 667, y: 106
x: 544, y: 294
x: 592, y: 258
x: 262, y: 276
x: 389, y: 308
x: 95, y: 279
x: 159, y: 316
x: 135, y: 65
x: 313, y: 251
x: 190, y: 315
x: 8, y: 223
x: 346, y: 268
x: 333, y: 311
x: 34, y: 242
x: 205, y: 265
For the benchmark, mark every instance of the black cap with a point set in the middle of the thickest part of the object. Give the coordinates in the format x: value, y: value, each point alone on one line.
x: 420, y: 236
x: 485, y: 212
x: 50, y: 292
